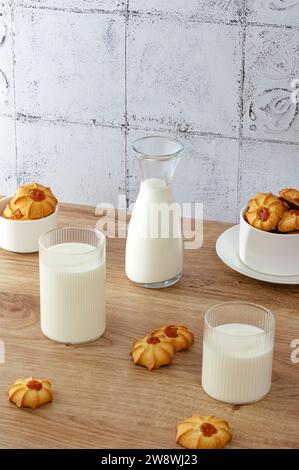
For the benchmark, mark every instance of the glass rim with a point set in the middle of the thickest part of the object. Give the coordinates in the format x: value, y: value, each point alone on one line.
x: 101, y: 236
x: 158, y: 157
x: 241, y: 302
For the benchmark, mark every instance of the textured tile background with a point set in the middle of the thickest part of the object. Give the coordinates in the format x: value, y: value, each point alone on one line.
x: 170, y: 87
x: 207, y: 10
x: 80, y: 79
x: 85, y: 162
x: 276, y: 12
x: 79, y: 62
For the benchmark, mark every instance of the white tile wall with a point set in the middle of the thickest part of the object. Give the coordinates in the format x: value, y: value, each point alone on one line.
x: 6, y: 61
x: 106, y: 5
x: 272, y: 61
x: 84, y: 77
x: 83, y: 164
x: 70, y: 66
x: 172, y: 87
x: 7, y: 156
x: 277, y: 12
x: 209, y: 10
x: 260, y: 172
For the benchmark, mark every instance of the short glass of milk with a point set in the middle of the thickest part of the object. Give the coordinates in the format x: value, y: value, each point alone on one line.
x: 72, y: 284
x: 237, y: 352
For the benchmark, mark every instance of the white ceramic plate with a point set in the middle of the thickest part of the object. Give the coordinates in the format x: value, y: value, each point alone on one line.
x: 227, y: 247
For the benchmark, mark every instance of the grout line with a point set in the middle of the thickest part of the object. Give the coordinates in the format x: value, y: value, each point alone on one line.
x: 242, y: 78
x: 241, y: 101
x: 8, y: 115
x: 99, y: 11
x: 177, y: 16
x: 269, y: 141
x: 127, y: 176
x: 13, y: 42
x: 134, y: 13
x: 240, y: 151
x: 157, y: 14
x: 214, y: 135
x: 182, y: 133
x: 128, y: 127
x: 33, y: 118
x: 272, y: 25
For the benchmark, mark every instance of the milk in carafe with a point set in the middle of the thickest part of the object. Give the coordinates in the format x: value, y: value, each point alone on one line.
x: 154, y: 250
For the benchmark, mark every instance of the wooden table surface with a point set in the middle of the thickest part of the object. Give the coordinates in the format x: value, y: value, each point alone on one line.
x: 101, y: 400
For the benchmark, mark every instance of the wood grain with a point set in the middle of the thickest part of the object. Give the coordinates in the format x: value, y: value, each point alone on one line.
x: 101, y: 399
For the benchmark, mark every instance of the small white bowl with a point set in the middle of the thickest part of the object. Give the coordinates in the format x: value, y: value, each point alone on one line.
x: 22, y: 236
x: 268, y: 252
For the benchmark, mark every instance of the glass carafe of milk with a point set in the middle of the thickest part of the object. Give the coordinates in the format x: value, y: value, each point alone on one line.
x: 154, y: 250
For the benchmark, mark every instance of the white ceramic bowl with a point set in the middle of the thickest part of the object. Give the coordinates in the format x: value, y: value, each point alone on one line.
x: 22, y: 236
x: 267, y: 252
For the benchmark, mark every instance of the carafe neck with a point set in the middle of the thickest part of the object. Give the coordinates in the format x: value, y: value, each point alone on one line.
x: 158, y: 158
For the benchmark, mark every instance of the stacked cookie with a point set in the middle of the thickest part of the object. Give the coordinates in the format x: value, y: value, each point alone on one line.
x: 274, y: 213
x: 157, y: 349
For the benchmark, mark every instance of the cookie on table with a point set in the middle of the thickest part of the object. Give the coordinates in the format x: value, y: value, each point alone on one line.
x: 178, y: 335
x: 30, y: 393
x: 203, y: 432
x: 291, y: 196
x: 152, y: 352
x: 265, y: 211
x: 289, y: 221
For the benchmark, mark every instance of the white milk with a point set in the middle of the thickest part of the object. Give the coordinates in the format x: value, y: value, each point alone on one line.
x: 72, y: 293
x: 237, y: 363
x: 153, y: 253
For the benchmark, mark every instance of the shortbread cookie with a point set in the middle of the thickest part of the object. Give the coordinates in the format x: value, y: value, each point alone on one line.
x: 289, y: 221
x: 265, y: 211
x: 179, y: 335
x: 291, y: 196
x: 31, y: 201
x: 30, y: 393
x: 203, y: 432
x: 152, y: 352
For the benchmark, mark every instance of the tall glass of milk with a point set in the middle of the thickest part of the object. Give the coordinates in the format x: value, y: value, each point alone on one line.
x: 237, y: 352
x: 72, y: 284
x: 154, y: 249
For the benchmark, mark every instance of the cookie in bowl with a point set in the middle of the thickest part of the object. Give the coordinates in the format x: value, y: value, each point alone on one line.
x: 31, y: 201
x: 290, y: 196
x: 265, y: 211
x: 289, y: 221
x: 265, y: 244
x: 25, y: 216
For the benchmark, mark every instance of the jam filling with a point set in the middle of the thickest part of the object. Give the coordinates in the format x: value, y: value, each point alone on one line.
x: 208, y: 429
x: 263, y: 213
x: 37, y: 195
x: 171, y: 331
x: 153, y: 340
x: 34, y: 385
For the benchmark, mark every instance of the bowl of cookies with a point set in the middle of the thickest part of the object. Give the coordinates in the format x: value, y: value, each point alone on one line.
x: 25, y: 216
x: 269, y: 233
